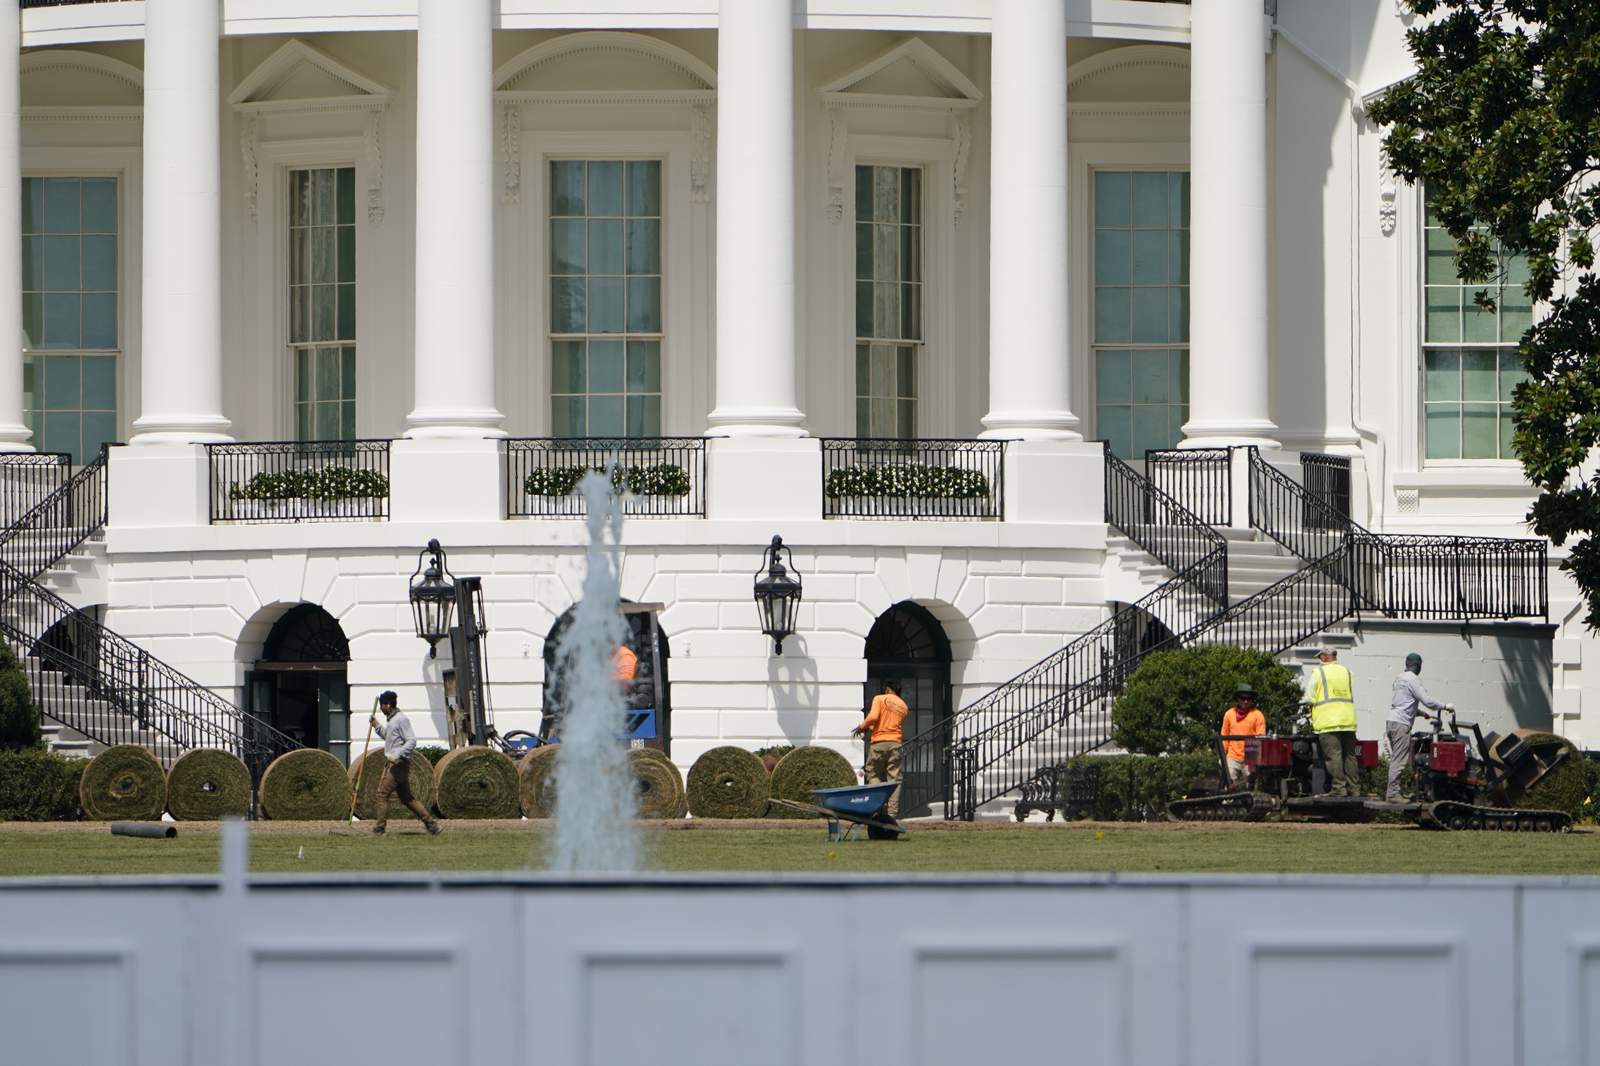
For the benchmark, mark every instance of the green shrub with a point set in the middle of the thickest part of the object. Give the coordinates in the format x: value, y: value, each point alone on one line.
x: 909, y: 481
x: 657, y: 479
x: 1174, y: 701
x: 328, y: 483
x: 433, y: 753
x: 19, y: 718
x: 39, y: 786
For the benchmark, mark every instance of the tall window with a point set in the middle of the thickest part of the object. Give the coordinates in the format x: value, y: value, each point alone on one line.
x: 605, y: 298
x: 1141, y: 308
x: 69, y: 313
x: 888, y: 299
x: 322, y: 301
x: 1469, y: 354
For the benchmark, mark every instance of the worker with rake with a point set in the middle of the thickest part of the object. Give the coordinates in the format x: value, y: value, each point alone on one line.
x: 399, y: 742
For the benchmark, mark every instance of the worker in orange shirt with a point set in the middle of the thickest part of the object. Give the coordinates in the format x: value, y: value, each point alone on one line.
x: 882, y: 725
x: 624, y: 664
x: 1243, y: 719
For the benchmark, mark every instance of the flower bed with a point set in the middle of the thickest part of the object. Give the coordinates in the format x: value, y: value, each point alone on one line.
x: 657, y: 479
x: 907, y: 481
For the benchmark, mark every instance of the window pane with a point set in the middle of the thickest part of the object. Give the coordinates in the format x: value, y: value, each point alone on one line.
x: 99, y: 382
x: 32, y: 205
x: 644, y: 366
x: 568, y: 247
x: 299, y: 197
x: 99, y: 427
x: 328, y: 367
x: 566, y: 187
x: 63, y: 383
x: 605, y: 247
x: 327, y: 418
x: 302, y: 375
x: 347, y: 373
x: 33, y: 263
x: 1477, y: 323
x: 863, y: 308
x: 906, y: 372
x: 605, y: 366
x: 863, y: 194
x: 100, y: 320
x: 644, y: 416
x: 1115, y: 424
x: 1443, y: 374
x: 911, y: 312
x: 62, y: 208
x: 1150, y: 258
x: 346, y: 238
x: 63, y: 320
x: 886, y: 253
x: 347, y: 420
x: 605, y: 416
x: 1112, y: 315
x: 100, y: 264
x: 911, y: 253
x: 324, y: 209
x: 347, y: 312
x: 644, y: 246
x: 566, y: 367
x: 1443, y: 314
x: 1113, y: 257
x: 567, y: 305
x: 324, y: 312
x: 1112, y: 377
x: 1511, y: 375
x: 1113, y: 199
x: 885, y: 310
x: 1178, y: 257
x: 885, y: 194
x: 32, y: 321
x: 323, y: 255
x: 62, y: 268
x: 1150, y: 325
x: 1152, y: 377
x: 63, y: 432
x: 1480, y: 436
x: 1178, y: 314
x: 1151, y: 428
x: 1478, y: 375
x: 1443, y: 431
x: 1441, y: 256
x: 1516, y: 315
x: 1180, y: 378
x: 644, y: 188
x: 1150, y: 200
x: 1178, y: 198
x: 345, y: 213
x: 605, y: 192
x: 605, y: 305
x: 566, y: 417
x: 1507, y: 426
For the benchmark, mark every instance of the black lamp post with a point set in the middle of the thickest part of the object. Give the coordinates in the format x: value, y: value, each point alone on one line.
x: 433, y: 597
x: 777, y: 594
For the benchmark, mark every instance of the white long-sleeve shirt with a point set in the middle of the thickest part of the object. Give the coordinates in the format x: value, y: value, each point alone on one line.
x: 1409, y: 697
x: 399, y: 739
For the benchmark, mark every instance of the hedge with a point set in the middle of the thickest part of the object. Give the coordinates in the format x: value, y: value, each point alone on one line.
x: 39, y: 786
x: 1175, y: 700
x: 329, y: 483
x: 910, y: 481
x: 433, y: 753
x: 656, y: 479
x: 19, y: 718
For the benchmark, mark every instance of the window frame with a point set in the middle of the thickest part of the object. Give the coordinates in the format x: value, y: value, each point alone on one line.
x: 918, y: 346
x: 125, y: 165
x: 291, y: 347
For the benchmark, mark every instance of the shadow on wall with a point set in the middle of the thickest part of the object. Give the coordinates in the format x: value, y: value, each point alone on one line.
x: 796, y: 698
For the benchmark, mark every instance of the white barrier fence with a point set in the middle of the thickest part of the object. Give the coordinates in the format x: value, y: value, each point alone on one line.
x: 710, y: 971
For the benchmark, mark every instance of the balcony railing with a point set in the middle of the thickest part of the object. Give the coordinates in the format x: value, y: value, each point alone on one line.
x: 1198, y: 478
x: 654, y: 477
x: 882, y: 477
x: 1327, y: 479
x: 300, y: 481
x: 26, y: 478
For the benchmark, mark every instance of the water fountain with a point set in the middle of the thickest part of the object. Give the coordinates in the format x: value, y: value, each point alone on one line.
x: 595, y: 830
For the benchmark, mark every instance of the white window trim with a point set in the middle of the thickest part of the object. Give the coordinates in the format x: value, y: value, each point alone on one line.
x: 524, y: 285
x: 1086, y: 158
x: 936, y: 373
x: 126, y: 165
x: 271, y: 372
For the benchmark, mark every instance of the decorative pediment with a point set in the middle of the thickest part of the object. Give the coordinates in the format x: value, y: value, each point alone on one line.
x: 909, y: 74
x: 606, y: 66
x: 297, y: 79
x: 70, y: 84
x: 1135, y: 74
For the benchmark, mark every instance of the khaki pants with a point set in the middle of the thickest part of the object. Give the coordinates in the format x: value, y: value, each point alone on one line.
x: 883, y: 766
x: 396, y: 782
x: 1399, y: 756
x: 1341, y: 755
x: 1237, y: 771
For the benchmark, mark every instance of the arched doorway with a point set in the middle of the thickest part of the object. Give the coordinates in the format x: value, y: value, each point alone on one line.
x: 650, y: 690
x: 909, y: 645
x: 299, y: 684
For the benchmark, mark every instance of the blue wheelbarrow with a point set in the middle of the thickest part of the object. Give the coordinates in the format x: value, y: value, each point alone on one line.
x: 860, y: 805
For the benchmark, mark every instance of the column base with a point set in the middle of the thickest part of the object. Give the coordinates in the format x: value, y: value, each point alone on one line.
x: 455, y: 425
x: 16, y: 438
x: 1031, y: 425
x: 158, y: 485
x: 446, y: 479
x: 1056, y: 481
x: 1259, y: 433
x: 771, y: 479
x: 756, y: 422
x: 181, y: 429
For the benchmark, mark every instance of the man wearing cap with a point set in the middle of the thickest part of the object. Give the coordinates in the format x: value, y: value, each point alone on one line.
x: 1242, y: 720
x: 1330, y: 690
x: 1409, y: 699
x: 399, y: 742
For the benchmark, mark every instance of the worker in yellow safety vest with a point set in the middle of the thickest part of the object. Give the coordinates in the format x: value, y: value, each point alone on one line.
x: 1331, y: 692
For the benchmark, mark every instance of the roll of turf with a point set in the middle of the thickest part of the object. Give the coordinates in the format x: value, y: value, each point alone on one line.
x: 123, y: 783
x: 1562, y: 789
x: 658, y: 786
x: 728, y: 782
x: 420, y: 778
x: 207, y: 784
x: 536, y: 782
x: 804, y: 769
x: 305, y: 785
x: 476, y: 783
x: 155, y: 830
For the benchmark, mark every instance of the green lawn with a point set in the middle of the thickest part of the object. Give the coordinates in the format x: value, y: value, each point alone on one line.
x: 34, y: 850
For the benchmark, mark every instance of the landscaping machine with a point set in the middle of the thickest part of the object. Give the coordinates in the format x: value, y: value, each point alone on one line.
x: 1463, y: 780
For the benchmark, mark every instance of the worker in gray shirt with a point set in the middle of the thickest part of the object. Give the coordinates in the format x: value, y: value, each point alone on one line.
x: 399, y: 742
x: 1409, y: 699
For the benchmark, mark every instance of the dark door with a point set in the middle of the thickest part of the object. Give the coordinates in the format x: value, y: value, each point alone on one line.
x: 908, y: 645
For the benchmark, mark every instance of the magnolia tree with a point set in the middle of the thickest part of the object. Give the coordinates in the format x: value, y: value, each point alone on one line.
x: 1502, y: 123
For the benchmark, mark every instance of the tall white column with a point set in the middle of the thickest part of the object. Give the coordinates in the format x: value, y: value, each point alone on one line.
x: 455, y: 221
x: 13, y: 433
x: 1229, y: 374
x: 181, y: 348
x: 1030, y: 373
x: 755, y: 384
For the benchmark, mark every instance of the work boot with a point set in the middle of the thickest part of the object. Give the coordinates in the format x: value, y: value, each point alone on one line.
x: 433, y: 827
x: 378, y: 830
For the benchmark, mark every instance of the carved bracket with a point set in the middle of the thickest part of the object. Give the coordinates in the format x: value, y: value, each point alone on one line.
x: 700, y: 125
x: 374, y: 148
x: 249, y: 139
x: 510, y: 126
x: 838, y: 150
x: 962, y: 122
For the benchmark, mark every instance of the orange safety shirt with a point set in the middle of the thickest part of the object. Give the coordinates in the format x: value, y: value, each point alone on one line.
x: 888, y: 711
x: 1236, y: 724
x: 624, y: 664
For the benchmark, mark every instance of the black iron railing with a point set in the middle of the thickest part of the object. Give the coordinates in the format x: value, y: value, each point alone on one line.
x: 1055, y: 706
x: 884, y: 477
x: 26, y: 478
x: 1200, y: 479
x: 113, y: 691
x: 58, y: 522
x: 654, y: 477
x: 1303, y: 522
x: 299, y: 481
x: 1327, y: 479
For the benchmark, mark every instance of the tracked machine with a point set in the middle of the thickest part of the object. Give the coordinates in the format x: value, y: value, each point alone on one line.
x: 1463, y: 780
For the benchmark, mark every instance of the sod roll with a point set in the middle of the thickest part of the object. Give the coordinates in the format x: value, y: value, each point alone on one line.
x: 420, y: 778
x: 476, y: 783
x: 536, y: 781
x: 804, y: 769
x: 1564, y: 788
x: 657, y: 784
x: 206, y: 784
x: 124, y: 783
x: 728, y: 782
x: 306, y: 784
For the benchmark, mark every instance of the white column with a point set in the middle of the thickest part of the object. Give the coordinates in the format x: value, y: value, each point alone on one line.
x: 13, y: 433
x: 1030, y: 372
x: 181, y: 348
x: 1229, y: 384
x: 755, y: 384
x: 455, y: 222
